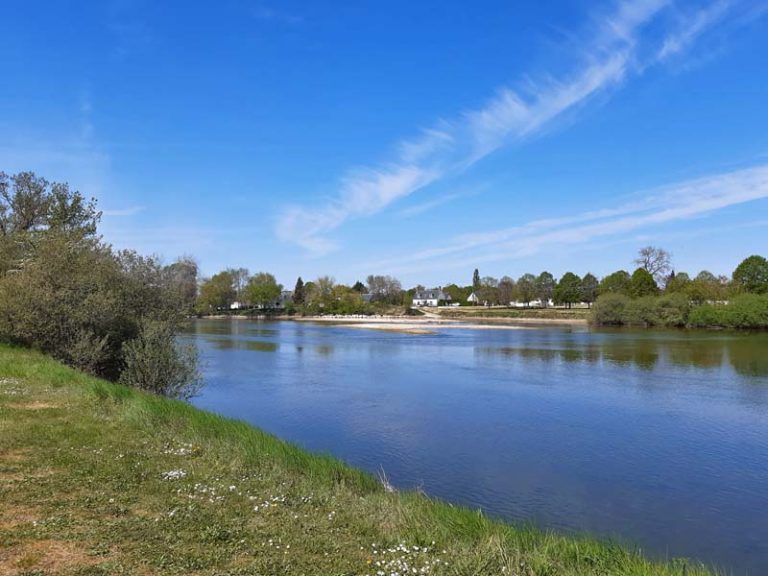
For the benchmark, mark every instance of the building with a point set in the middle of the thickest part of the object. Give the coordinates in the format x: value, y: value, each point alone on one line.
x: 433, y: 297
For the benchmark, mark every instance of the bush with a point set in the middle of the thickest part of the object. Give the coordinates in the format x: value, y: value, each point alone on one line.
x: 745, y: 311
x: 156, y: 362
x: 608, y: 309
x: 673, y: 310
x: 641, y: 312
x: 66, y: 293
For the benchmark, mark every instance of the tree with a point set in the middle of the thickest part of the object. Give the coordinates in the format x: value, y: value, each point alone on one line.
x: 677, y: 283
x: 616, y: 283
x: 656, y: 261
x: 589, y: 289
x: 217, y: 292
x: 32, y: 208
x: 506, y: 290
x: 545, y: 287
x: 752, y: 275
x: 457, y: 293
x: 384, y: 289
x: 181, y: 277
x: 488, y: 292
x: 568, y: 290
x: 526, y: 288
x: 642, y: 284
x: 240, y: 279
x: 359, y: 287
x: 298, y: 292
x: 263, y: 290
x: 476, y: 280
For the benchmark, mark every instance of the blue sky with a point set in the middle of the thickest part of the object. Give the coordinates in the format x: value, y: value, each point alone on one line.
x: 419, y: 139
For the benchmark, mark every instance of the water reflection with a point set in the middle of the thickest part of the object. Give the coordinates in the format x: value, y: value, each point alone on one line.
x: 658, y: 438
x: 746, y: 357
x: 237, y: 344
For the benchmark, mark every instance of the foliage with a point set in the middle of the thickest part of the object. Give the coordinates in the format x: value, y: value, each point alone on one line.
x: 642, y: 284
x: 641, y: 312
x: 609, y: 309
x: 616, y: 283
x: 156, y: 362
x: 568, y: 290
x: 476, y: 280
x: 262, y: 289
x: 298, y: 292
x: 66, y: 293
x: 743, y: 311
x: 217, y: 293
x: 589, y: 288
x: 526, y: 288
x: 752, y: 275
x: 181, y: 277
x: 545, y: 287
x: 384, y: 289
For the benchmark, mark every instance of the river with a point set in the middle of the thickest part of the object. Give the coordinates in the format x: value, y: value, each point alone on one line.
x: 655, y: 438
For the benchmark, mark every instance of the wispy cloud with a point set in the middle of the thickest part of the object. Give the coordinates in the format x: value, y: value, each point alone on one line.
x: 452, y: 146
x: 123, y: 212
x: 678, y: 202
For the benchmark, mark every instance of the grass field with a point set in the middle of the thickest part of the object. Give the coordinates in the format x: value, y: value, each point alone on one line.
x: 100, y: 479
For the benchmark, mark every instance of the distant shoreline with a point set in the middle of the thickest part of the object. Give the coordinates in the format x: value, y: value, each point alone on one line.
x: 419, y: 324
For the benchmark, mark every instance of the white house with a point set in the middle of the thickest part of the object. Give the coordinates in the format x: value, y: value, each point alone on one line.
x: 473, y: 299
x: 430, y: 297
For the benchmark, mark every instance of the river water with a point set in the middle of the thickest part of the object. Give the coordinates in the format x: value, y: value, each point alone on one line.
x: 655, y: 438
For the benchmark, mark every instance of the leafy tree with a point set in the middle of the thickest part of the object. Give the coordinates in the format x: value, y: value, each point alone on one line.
x: 589, y: 289
x: 526, y: 288
x: 181, y: 277
x: 616, y: 283
x: 568, y: 290
x: 642, y: 284
x: 752, y: 275
x: 263, y: 290
x: 66, y: 293
x: 360, y: 288
x: 677, y: 283
x: 656, y: 261
x: 298, y: 292
x: 476, y: 284
x: 32, y: 208
x: 217, y: 292
x: 457, y: 293
x: 545, y: 287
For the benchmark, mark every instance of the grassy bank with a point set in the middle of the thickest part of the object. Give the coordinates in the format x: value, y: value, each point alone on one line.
x: 100, y: 479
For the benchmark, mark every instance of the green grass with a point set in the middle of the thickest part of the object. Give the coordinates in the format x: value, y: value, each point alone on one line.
x: 100, y: 479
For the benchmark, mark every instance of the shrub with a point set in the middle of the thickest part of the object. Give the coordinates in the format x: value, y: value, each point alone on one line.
x: 673, y: 310
x: 707, y: 316
x: 157, y: 362
x: 748, y: 311
x: 608, y: 309
x: 641, y: 312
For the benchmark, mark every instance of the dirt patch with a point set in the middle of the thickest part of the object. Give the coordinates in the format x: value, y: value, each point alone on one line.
x: 33, y: 406
x: 46, y: 556
x: 15, y: 455
x: 11, y: 517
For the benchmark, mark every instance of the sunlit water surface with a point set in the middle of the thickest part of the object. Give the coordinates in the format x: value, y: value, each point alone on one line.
x: 655, y: 438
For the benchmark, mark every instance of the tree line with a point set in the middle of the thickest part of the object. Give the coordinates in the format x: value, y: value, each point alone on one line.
x: 64, y: 291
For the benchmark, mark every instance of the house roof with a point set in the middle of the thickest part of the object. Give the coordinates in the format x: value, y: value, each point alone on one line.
x: 434, y: 294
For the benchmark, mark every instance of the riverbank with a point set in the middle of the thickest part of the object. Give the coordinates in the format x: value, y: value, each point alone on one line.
x: 97, y: 479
